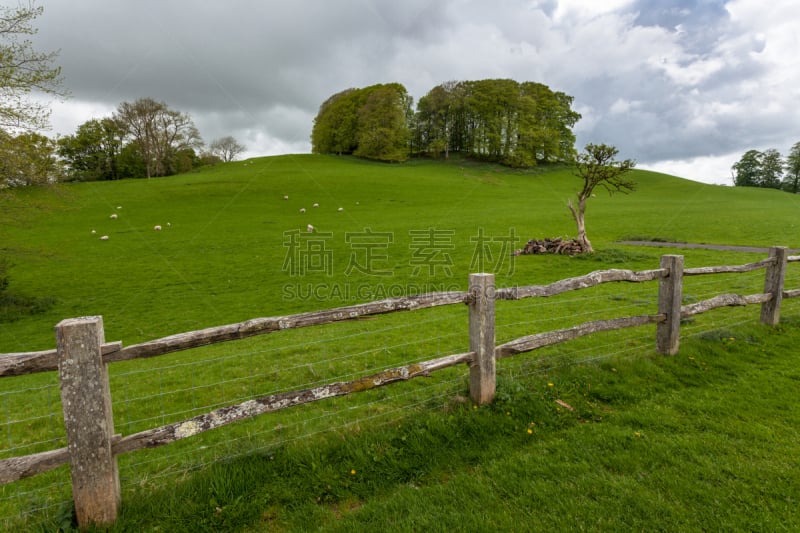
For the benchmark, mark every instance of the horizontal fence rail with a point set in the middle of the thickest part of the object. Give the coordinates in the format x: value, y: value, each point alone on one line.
x: 82, y: 340
x: 581, y: 282
x: 17, y: 364
x: 540, y: 340
x: 724, y: 269
x: 723, y: 300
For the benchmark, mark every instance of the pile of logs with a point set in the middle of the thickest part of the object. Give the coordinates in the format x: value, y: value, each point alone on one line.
x: 555, y: 245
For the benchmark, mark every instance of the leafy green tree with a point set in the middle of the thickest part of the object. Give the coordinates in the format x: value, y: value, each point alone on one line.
x: 772, y: 166
x: 183, y: 160
x: 159, y: 132
x: 555, y: 119
x: 434, y: 120
x: 371, y: 122
x: 747, y: 171
x: 27, y: 159
x: 23, y: 70
x: 759, y: 169
x: 501, y: 120
x: 336, y: 124
x: 93, y: 152
x: 596, y: 167
x: 130, y: 163
x: 492, y: 104
x: 383, y: 132
x: 791, y: 181
x: 516, y: 124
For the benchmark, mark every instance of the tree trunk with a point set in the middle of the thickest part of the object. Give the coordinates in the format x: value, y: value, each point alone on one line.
x: 580, y: 222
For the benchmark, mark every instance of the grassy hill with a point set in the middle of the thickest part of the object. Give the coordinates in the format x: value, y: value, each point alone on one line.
x: 222, y: 258
x: 224, y: 254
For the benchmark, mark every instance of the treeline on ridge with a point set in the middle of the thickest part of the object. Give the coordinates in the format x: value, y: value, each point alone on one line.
x: 498, y: 120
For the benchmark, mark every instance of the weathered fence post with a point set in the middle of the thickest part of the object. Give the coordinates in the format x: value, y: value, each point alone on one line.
x: 482, y: 381
x: 773, y: 284
x: 670, y: 294
x: 86, y: 402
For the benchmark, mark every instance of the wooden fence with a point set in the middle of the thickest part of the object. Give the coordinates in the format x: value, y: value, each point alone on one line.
x: 82, y: 356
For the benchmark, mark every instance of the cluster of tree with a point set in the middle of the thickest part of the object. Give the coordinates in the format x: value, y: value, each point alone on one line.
x: 371, y: 122
x: 144, y: 138
x: 769, y: 169
x: 516, y: 124
x: 504, y: 121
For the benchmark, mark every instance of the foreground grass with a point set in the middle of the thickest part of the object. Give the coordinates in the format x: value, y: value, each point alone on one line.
x: 705, y: 441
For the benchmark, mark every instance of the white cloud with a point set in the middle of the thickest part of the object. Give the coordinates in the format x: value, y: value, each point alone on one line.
x: 706, y: 169
x: 621, y: 106
x: 67, y: 115
x: 583, y: 9
x: 689, y: 72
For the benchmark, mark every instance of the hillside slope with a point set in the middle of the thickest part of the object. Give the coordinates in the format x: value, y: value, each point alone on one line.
x: 225, y: 252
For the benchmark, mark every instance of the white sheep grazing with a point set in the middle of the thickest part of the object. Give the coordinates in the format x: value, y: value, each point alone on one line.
x: 302, y: 209
x: 113, y: 215
x: 157, y: 228
x: 316, y: 205
x: 341, y: 209
x: 119, y: 207
x: 93, y: 232
x: 310, y: 228
x: 104, y: 238
x: 286, y: 197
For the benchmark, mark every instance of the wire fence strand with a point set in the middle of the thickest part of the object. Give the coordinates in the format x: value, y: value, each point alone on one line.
x: 186, y: 386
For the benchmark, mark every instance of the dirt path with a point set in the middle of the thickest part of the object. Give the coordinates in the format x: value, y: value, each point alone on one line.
x: 722, y: 247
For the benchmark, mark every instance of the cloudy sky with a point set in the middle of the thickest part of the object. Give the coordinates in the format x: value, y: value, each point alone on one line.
x: 682, y: 86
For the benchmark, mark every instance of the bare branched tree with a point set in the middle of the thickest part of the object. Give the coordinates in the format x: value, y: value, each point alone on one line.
x: 226, y: 148
x: 596, y: 167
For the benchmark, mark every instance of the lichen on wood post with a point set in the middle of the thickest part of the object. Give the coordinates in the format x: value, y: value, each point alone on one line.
x: 86, y: 402
x: 773, y: 284
x: 670, y: 294
x: 482, y: 379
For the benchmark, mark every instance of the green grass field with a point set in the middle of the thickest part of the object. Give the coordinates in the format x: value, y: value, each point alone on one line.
x: 705, y: 440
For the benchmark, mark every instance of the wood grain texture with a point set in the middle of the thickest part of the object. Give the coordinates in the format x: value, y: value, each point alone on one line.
x: 722, y: 300
x: 581, y: 282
